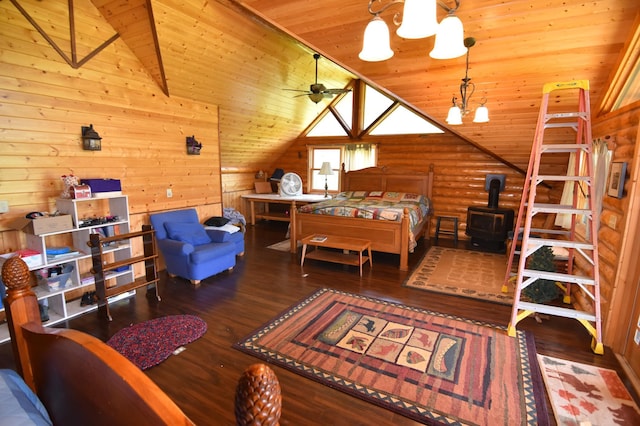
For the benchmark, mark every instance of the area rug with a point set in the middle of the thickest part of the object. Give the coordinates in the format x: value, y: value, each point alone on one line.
x: 468, y: 273
x: 282, y: 245
x: 586, y: 395
x: 151, y: 342
x: 431, y: 367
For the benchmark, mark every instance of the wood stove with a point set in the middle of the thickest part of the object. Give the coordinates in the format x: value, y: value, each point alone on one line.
x: 489, y: 226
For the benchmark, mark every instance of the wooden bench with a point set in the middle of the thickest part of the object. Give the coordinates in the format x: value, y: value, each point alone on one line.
x: 346, y: 244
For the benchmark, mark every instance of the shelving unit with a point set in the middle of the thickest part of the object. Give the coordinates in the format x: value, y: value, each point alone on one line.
x: 102, y: 266
x: 115, y: 207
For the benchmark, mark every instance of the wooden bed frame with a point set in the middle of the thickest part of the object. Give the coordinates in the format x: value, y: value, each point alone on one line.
x: 385, y: 236
x: 81, y: 380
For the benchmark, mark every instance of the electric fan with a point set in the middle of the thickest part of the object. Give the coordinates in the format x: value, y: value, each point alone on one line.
x: 290, y: 185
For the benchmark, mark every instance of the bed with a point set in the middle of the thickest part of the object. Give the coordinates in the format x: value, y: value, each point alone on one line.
x: 386, y: 235
x: 66, y: 377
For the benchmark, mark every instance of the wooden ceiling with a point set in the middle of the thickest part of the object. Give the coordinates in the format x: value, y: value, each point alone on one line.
x: 241, y: 54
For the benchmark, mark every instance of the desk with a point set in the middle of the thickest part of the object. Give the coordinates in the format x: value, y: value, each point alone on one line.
x: 267, y: 199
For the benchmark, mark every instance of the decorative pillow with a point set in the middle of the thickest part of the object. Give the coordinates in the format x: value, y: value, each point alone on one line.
x: 358, y: 195
x: 216, y: 221
x: 188, y: 232
x: 417, y: 198
x: 374, y: 195
x: 392, y: 196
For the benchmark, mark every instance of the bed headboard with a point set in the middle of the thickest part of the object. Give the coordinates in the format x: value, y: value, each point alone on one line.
x: 388, y: 179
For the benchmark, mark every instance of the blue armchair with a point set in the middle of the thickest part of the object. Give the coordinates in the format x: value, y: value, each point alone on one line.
x: 190, y: 251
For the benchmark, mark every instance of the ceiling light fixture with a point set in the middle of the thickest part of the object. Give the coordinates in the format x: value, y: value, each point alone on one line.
x: 457, y: 111
x: 418, y: 21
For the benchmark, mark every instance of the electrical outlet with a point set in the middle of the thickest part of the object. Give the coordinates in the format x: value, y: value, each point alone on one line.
x: 613, y: 221
x: 4, y: 206
x: 169, y: 192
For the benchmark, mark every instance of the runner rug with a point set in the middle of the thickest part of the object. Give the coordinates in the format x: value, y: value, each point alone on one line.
x: 586, y: 395
x: 430, y: 367
x: 151, y: 342
x: 468, y: 273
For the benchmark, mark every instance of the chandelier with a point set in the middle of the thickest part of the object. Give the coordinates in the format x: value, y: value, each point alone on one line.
x: 457, y: 111
x: 418, y: 21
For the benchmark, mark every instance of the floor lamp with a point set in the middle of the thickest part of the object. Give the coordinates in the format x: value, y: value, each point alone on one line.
x: 325, y: 171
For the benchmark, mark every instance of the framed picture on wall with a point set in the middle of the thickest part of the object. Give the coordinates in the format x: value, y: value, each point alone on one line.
x: 616, y: 179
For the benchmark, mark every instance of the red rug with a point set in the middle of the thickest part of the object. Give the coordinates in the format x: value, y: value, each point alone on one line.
x: 433, y: 368
x: 151, y: 342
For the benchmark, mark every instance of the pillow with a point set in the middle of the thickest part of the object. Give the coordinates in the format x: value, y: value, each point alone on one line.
x: 408, y: 197
x: 216, y: 221
x: 374, y: 195
x: 188, y: 232
x: 392, y: 196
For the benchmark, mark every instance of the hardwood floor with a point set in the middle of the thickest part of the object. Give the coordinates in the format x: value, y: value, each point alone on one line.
x: 202, y: 379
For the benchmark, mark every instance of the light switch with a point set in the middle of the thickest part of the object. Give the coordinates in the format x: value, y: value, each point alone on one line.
x: 4, y: 206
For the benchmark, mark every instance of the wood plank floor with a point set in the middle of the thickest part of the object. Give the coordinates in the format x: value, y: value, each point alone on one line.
x: 202, y: 379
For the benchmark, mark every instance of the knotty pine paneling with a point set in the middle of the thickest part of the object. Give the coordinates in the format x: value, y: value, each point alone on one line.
x: 46, y: 101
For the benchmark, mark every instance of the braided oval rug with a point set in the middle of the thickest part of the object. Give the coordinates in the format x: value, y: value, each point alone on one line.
x: 151, y: 342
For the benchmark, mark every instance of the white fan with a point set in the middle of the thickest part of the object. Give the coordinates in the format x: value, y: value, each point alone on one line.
x: 290, y: 185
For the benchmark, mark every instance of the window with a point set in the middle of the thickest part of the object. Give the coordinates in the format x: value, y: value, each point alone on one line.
x: 354, y: 157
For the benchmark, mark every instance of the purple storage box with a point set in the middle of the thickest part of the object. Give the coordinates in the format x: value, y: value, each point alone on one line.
x: 102, y: 185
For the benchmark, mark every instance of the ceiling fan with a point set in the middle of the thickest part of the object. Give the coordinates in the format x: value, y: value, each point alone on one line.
x: 318, y: 91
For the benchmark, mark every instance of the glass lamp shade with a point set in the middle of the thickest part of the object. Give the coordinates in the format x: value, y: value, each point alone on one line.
x: 449, y: 39
x: 326, y: 169
x: 455, y: 116
x: 376, y: 46
x: 418, y: 19
x: 482, y: 114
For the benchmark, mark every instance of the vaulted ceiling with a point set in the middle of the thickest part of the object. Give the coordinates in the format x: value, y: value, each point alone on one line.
x: 241, y: 54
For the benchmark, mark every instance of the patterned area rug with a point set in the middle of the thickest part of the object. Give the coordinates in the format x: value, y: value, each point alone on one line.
x: 151, y: 342
x: 586, y: 395
x: 459, y: 272
x: 430, y: 367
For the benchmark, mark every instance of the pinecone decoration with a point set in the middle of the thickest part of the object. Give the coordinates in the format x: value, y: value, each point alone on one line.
x: 258, y: 397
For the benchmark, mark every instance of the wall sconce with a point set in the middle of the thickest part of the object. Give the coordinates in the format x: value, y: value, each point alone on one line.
x: 418, y: 21
x: 91, y: 140
x: 457, y: 111
x: 193, y: 146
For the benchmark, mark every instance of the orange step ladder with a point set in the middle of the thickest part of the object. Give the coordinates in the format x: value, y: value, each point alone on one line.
x: 585, y: 246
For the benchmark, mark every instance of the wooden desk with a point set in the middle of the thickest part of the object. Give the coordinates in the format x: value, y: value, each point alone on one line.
x: 267, y: 199
x: 341, y: 243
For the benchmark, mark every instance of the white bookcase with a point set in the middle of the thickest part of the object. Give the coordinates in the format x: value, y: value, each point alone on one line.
x: 117, y: 209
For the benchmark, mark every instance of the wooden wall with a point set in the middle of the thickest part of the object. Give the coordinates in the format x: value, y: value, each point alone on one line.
x: 45, y: 102
x: 620, y: 129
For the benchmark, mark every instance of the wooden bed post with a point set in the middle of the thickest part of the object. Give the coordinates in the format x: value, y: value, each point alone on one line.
x: 21, y: 305
x: 404, y: 236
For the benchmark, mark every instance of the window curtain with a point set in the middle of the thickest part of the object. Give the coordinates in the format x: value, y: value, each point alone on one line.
x: 359, y: 156
x: 601, y: 160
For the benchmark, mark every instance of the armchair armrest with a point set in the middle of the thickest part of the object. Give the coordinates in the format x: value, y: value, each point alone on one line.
x: 218, y: 236
x: 174, y: 247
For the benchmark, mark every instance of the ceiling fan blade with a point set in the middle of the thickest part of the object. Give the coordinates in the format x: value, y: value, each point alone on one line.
x: 336, y: 91
x: 297, y: 90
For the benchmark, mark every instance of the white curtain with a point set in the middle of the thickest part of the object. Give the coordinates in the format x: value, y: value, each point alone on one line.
x: 359, y: 156
x: 601, y: 160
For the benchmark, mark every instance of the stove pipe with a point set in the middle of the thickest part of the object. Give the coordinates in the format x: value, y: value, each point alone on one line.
x: 494, y: 193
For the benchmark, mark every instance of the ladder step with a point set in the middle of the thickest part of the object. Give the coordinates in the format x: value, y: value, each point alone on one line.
x: 555, y: 276
x: 565, y: 178
x: 560, y: 243
x: 563, y: 147
x: 558, y: 208
x: 556, y: 310
x: 571, y: 114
